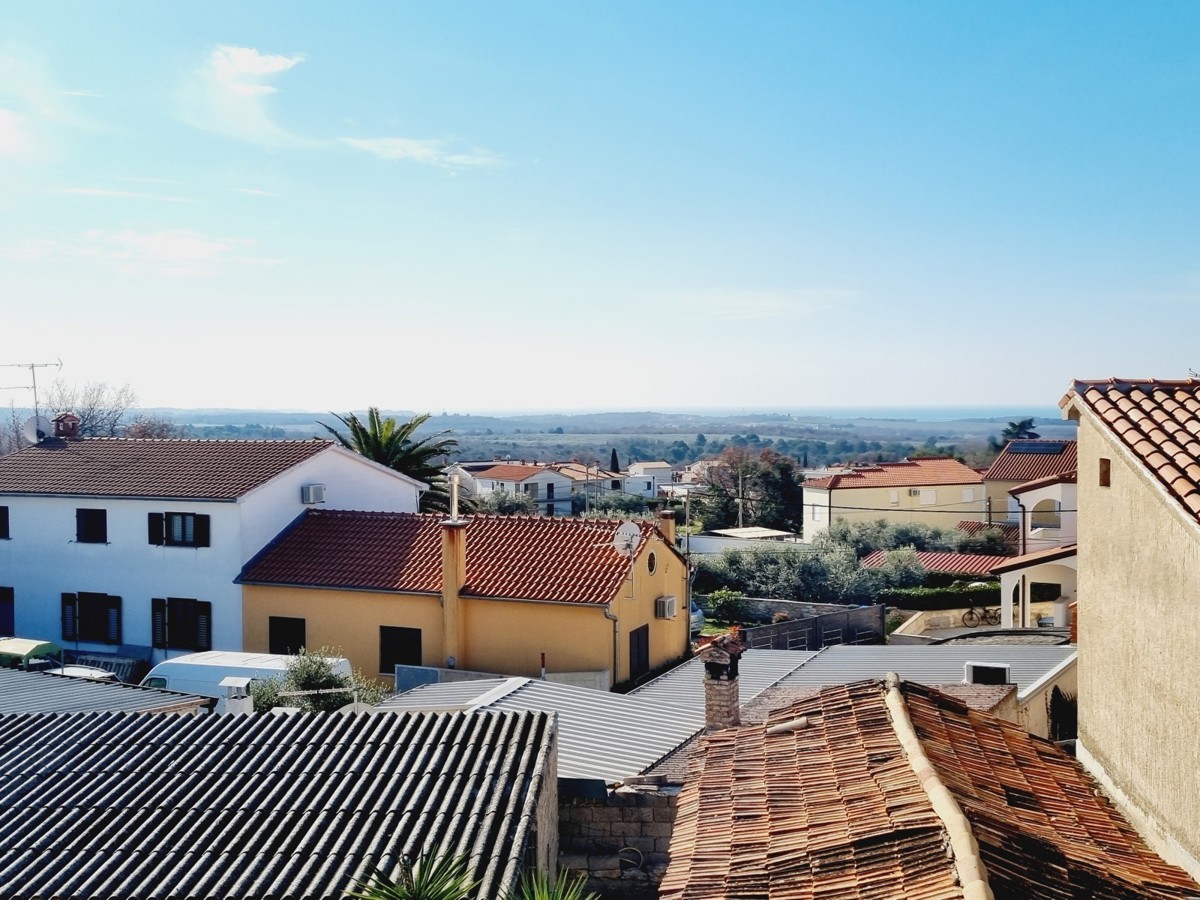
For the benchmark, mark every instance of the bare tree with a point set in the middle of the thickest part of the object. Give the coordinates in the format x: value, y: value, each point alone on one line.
x: 11, y: 436
x: 148, y: 425
x: 99, y: 406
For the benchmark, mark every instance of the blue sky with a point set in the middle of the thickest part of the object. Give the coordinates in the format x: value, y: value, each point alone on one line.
x: 518, y: 205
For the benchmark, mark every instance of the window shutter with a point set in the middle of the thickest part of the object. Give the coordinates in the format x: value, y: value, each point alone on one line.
x: 79, y: 526
x: 70, y: 607
x: 158, y: 622
x: 112, y: 620
x: 202, y: 531
x: 203, y: 625
x: 155, y: 528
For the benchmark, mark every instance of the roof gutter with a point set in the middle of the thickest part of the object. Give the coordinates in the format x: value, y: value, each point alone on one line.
x: 616, y: 620
x: 967, y: 861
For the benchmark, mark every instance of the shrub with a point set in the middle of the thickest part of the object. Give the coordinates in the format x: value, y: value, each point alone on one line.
x: 727, y: 606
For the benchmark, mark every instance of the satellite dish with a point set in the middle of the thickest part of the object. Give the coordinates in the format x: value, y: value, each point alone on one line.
x: 626, y: 538
x: 36, y: 429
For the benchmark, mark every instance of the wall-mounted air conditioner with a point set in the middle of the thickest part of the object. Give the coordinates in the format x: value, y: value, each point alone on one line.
x: 666, y: 608
x: 312, y: 493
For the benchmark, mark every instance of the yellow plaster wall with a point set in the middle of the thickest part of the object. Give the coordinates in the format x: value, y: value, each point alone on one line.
x: 1034, y: 714
x: 346, y: 620
x: 875, y: 503
x: 1139, y: 569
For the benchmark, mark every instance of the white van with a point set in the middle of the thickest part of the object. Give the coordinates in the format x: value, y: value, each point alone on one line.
x: 201, y: 673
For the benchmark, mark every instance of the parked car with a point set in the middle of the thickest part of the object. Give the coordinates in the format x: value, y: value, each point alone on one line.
x: 697, y: 617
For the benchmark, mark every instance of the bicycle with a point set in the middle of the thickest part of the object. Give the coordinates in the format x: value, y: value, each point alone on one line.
x: 974, y: 616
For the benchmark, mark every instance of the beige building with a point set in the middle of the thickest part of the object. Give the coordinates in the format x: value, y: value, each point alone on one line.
x: 937, y: 491
x: 1138, y: 576
x: 1018, y: 464
x: 510, y: 595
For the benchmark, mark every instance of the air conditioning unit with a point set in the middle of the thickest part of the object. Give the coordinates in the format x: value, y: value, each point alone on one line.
x: 914, y: 492
x: 666, y: 608
x: 312, y: 493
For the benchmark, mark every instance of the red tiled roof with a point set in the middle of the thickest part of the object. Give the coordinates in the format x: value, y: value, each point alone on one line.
x: 508, y: 472
x: 167, y: 469
x: 1158, y: 421
x: 831, y: 807
x: 1010, y: 533
x: 580, y: 472
x: 1053, y: 554
x: 1012, y: 465
x: 940, y: 561
x: 921, y: 472
x: 518, y: 557
x: 1064, y: 478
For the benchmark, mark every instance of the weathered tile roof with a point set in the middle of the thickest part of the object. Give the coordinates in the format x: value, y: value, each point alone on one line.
x: 1011, y: 534
x: 822, y: 801
x: 519, y: 557
x: 508, y: 472
x: 1026, y: 487
x: 939, y: 561
x: 1051, y: 554
x: 1157, y: 421
x: 260, y: 806
x: 927, y: 471
x: 580, y: 472
x: 166, y: 469
x: 1029, y: 460
x: 41, y: 692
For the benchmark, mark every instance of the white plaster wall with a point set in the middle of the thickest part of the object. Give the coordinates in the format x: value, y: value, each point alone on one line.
x: 1139, y: 576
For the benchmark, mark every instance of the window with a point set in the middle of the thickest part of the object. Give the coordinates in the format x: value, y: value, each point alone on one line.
x: 91, y: 617
x: 928, y: 497
x: 531, y: 490
x: 91, y: 526
x: 549, y: 492
x: 286, y: 634
x: 178, y: 529
x: 649, y: 485
x: 639, y: 652
x: 893, y: 497
x: 4, y: 522
x: 968, y: 495
x: 177, y: 623
x: 616, y: 484
x: 651, y: 562
x: 1105, y: 472
x: 398, y: 647
x: 8, y: 625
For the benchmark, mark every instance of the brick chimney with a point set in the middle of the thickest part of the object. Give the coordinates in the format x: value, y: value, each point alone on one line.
x: 722, y: 705
x: 666, y: 524
x: 66, y: 425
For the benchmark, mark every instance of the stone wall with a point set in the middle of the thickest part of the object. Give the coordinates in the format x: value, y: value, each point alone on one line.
x: 619, y: 842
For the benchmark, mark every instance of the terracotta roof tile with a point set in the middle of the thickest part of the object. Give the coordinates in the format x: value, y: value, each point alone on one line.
x: 821, y: 801
x: 519, y: 557
x: 940, y: 561
x: 1022, y: 461
x: 924, y: 471
x: 1010, y: 533
x: 509, y: 472
x: 1157, y: 421
x: 168, y: 469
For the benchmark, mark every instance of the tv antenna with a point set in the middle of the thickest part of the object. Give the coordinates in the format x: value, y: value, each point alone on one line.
x: 32, y: 367
x: 626, y: 538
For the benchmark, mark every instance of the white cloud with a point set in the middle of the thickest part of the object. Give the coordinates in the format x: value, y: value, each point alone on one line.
x: 136, y: 195
x: 16, y: 141
x: 427, y: 152
x: 228, y: 95
x: 173, y: 252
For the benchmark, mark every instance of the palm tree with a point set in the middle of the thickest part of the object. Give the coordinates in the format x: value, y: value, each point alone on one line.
x: 1021, y: 430
x: 392, y: 444
x: 429, y: 878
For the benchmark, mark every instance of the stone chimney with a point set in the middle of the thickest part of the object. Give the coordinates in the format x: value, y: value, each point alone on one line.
x: 66, y: 425
x: 666, y: 524
x: 722, y: 705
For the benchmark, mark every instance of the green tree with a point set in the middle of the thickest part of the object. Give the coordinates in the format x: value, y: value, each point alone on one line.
x: 505, y: 503
x: 428, y: 878
x: 395, y: 445
x: 1020, y: 430
x: 313, y: 671
x: 614, y: 464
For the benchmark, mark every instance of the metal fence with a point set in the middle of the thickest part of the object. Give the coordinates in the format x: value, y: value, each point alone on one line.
x: 856, y: 625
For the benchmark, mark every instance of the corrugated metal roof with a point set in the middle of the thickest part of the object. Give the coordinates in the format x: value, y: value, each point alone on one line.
x: 683, y: 686
x: 39, y: 692
x: 602, y: 735
x: 261, y: 806
x: 928, y: 665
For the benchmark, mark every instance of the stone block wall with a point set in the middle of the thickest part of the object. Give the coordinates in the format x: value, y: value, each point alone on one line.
x: 620, y: 842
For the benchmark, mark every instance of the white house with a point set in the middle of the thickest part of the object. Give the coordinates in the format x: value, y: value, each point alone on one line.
x: 645, y: 478
x: 550, y: 490
x: 131, y: 547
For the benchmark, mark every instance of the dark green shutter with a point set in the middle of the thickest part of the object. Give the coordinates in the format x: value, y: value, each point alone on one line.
x: 70, y: 624
x: 201, y: 532
x: 154, y: 528
x: 112, y: 620
x: 158, y: 622
x: 203, y: 624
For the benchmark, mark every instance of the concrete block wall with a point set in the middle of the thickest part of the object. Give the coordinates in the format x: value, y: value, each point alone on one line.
x: 620, y: 843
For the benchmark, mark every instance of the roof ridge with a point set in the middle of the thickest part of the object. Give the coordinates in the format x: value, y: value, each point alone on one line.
x: 968, y: 862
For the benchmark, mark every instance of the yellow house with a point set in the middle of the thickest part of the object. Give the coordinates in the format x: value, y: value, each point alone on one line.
x: 934, y: 490
x: 512, y: 595
x: 1018, y: 464
x: 1138, y: 566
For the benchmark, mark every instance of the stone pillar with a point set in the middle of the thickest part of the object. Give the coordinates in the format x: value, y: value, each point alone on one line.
x: 454, y: 575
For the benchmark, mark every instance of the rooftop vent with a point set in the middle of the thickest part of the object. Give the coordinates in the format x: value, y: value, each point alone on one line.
x: 986, y: 673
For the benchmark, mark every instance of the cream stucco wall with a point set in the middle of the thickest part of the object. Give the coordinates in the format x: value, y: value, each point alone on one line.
x: 1139, y: 572
x: 865, y: 504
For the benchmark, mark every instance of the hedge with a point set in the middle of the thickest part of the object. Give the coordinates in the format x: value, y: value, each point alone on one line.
x: 934, y: 598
